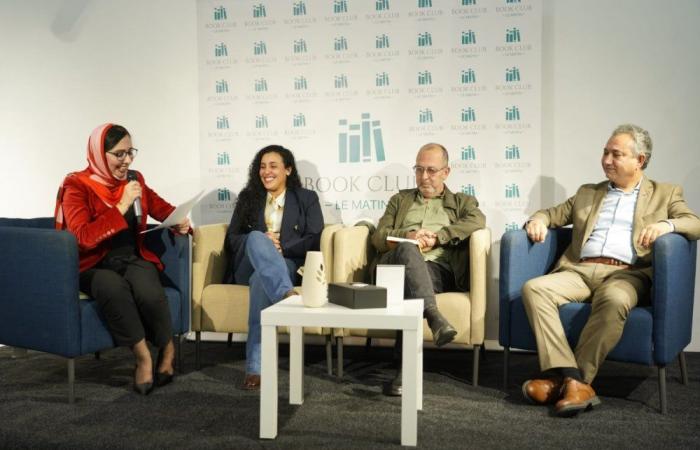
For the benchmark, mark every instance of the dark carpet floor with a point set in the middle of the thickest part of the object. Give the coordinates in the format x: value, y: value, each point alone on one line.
x: 205, y: 409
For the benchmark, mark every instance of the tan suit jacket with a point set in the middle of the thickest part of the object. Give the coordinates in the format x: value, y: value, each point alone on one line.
x: 656, y: 202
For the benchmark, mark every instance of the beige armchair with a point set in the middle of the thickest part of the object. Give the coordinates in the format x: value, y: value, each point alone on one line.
x: 223, y: 308
x: 466, y: 311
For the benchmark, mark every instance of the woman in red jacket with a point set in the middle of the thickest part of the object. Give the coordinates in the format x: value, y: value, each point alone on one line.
x: 97, y: 206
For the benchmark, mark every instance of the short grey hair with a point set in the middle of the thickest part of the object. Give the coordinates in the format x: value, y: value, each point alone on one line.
x: 432, y: 146
x: 641, y: 140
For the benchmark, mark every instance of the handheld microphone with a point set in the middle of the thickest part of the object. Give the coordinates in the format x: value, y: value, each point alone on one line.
x: 131, y: 176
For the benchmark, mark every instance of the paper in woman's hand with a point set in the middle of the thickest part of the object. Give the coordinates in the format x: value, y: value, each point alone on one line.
x: 178, y: 214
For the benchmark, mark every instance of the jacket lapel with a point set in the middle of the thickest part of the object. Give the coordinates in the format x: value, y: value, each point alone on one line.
x: 404, y: 207
x: 598, y: 197
x: 645, y: 191
x: 289, y: 215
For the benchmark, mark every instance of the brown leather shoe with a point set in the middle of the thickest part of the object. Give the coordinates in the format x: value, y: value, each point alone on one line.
x: 543, y: 391
x: 576, y: 397
x: 251, y: 382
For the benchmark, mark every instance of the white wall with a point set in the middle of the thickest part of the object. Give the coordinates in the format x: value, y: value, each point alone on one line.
x: 609, y: 62
x: 67, y: 66
x: 135, y: 63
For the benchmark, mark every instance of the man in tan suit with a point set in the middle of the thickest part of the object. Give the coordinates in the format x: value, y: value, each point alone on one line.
x: 607, y: 264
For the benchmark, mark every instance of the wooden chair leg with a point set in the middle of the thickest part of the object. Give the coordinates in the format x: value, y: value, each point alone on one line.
x: 339, y: 345
x: 71, y: 380
x: 197, y: 349
x: 506, y: 354
x: 662, y: 389
x: 684, y: 368
x: 475, y: 366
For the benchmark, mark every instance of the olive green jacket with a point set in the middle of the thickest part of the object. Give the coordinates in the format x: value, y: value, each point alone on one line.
x: 465, y: 218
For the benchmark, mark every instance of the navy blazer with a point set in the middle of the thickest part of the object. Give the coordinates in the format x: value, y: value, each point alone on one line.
x: 302, y: 223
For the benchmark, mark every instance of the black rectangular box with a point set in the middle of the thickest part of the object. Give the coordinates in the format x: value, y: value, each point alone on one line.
x: 357, y: 295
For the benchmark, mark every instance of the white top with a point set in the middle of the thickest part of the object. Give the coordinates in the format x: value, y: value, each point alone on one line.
x: 274, y: 210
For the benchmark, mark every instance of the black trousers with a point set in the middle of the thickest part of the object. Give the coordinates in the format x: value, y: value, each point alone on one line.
x: 421, y: 279
x: 132, y: 300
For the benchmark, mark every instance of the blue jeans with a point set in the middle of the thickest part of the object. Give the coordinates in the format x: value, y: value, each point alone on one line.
x: 269, y: 276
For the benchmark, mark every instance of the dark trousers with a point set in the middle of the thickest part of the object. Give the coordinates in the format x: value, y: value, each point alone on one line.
x: 422, y: 279
x: 131, y: 299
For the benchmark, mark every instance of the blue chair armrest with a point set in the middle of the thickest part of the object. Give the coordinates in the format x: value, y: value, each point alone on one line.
x: 520, y: 261
x: 673, y: 290
x: 39, y: 290
x: 174, y: 252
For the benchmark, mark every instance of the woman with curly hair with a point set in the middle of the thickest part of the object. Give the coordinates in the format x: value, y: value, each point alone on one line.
x: 274, y: 224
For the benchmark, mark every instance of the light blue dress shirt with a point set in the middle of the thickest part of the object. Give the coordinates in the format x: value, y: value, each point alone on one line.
x: 612, y: 234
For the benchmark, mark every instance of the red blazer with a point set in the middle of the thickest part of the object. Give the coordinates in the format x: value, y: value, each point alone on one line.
x: 94, y: 223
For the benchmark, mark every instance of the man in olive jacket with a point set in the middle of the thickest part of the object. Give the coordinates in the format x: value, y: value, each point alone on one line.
x: 439, y: 221
x: 607, y: 264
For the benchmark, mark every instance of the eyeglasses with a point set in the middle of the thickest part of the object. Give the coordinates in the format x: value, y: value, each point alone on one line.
x: 121, y: 154
x: 431, y: 171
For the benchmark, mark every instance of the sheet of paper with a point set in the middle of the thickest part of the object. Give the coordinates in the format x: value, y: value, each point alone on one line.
x: 398, y: 239
x: 178, y: 214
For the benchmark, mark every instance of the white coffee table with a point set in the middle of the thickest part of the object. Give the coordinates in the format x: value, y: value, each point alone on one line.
x: 291, y: 312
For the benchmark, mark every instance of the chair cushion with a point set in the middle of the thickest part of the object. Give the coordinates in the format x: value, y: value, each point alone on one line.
x: 94, y: 334
x: 225, y: 308
x: 636, y: 342
x: 635, y: 346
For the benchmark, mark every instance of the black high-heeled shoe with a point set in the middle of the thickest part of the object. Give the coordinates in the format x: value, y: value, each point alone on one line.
x: 162, y: 378
x: 142, y: 388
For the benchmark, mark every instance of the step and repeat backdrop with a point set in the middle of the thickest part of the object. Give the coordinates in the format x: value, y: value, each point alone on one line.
x: 355, y: 87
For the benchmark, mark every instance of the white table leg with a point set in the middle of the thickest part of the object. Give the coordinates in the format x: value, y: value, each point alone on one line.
x: 409, y: 398
x: 296, y: 365
x: 419, y: 366
x: 268, y: 383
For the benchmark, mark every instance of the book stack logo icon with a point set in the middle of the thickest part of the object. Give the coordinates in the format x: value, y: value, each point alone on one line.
x: 223, y: 159
x: 468, y: 114
x: 512, y: 114
x: 513, y: 152
x: 512, y: 35
x: 299, y: 8
x: 221, y: 87
x: 220, y: 13
x: 222, y: 123
x: 468, y: 37
x: 223, y: 195
x: 468, y: 153
x: 382, y: 79
x: 220, y: 50
x: 356, y: 141
x: 259, y: 11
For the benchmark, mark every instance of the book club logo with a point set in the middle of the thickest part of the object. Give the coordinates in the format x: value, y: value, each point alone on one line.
x: 360, y: 142
x: 381, y: 79
x: 220, y: 13
x: 468, y: 153
x: 469, y: 190
x: 299, y: 120
x: 259, y: 11
x: 223, y: 159
x: 299, y: 8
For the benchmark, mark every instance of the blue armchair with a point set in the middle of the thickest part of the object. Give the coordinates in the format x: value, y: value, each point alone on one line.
x: 40, y: 303
x: 652, y: 336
